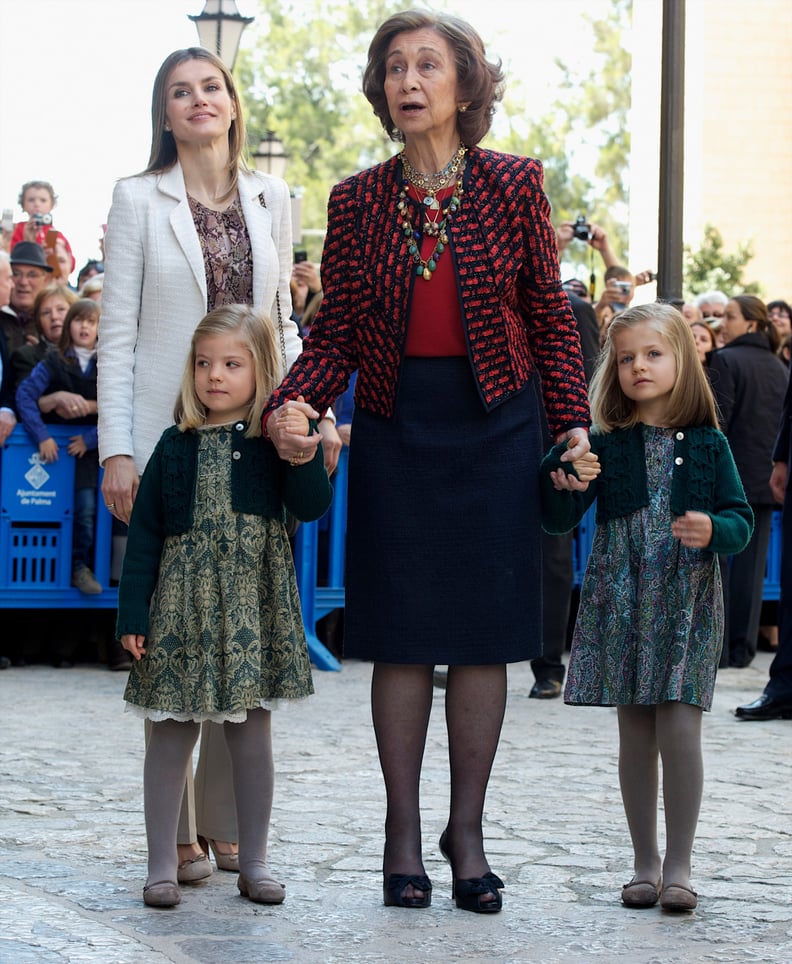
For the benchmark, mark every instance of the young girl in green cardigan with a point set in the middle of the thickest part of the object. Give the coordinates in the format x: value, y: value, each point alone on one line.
x: 207, y: 603
x: 650, y: 625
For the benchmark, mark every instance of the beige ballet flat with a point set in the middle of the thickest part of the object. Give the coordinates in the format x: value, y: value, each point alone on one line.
x: 194, y: 869
x: 162, y: 893
x: 264, y: 891
x: 223, y: 861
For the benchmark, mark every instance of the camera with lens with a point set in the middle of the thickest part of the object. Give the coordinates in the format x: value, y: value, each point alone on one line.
x: 42, y: 219
x: 581, y: 229
x: 624, y: 286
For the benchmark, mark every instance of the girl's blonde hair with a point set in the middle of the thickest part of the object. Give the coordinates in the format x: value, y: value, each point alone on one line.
x: 257, y: 333
x: 691, y: 401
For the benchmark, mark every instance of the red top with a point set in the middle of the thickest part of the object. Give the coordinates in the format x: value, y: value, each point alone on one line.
x: 434, y: 328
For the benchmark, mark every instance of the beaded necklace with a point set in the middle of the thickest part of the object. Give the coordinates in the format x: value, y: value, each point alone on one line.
x: 433, y: 227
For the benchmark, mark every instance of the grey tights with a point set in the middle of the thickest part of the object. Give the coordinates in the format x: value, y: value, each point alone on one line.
x: 168, y: 755
x: 672, y: 733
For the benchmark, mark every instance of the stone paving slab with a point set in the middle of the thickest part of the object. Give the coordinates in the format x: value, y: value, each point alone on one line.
x: 72, y: 845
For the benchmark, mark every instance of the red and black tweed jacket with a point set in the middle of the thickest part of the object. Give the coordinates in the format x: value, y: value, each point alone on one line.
x: 516, y: 315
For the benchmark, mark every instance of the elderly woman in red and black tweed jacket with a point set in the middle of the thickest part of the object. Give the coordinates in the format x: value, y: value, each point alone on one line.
x: 441, y: 289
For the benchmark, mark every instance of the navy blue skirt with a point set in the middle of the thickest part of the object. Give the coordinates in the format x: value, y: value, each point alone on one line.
x: 443, y: 529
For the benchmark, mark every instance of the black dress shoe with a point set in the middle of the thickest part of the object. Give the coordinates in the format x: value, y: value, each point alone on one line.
x: 765, y: 708
x: 545, y: 689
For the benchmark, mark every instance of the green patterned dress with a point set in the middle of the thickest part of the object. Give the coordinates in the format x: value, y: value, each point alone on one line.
x: 226, y: 633
x: 650, y: 624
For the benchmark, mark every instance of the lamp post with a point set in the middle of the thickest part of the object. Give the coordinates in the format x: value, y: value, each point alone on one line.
x: 672, y: 144
x: 271, y: 156
x: 220, y: 27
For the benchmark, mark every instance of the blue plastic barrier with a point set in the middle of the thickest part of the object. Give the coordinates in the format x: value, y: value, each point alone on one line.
x: 36, y: 508
x: 36, y: 511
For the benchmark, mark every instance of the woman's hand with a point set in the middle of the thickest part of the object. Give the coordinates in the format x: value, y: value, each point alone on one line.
x: 119, y: 485
x: 332, y: 443
x: 134, y: 644
x: 693, y: 529
x: 578, y: 444
x: 295, y: 447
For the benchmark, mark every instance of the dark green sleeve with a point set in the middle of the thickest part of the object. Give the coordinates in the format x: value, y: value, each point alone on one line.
x: 307, y: 492
x: 561, y: 510
x: 144, y: 549
x: 732, y: 516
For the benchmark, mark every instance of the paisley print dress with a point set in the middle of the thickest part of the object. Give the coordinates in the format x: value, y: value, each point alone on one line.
x: 650, y: 623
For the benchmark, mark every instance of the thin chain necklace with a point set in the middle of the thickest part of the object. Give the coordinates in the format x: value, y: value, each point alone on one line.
x: 425, y: 268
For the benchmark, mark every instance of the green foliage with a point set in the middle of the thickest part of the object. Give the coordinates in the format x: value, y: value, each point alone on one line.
x: 301, y: 79
x: 711, y: 269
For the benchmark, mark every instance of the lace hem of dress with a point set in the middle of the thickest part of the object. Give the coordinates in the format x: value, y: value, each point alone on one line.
x: 157, y: 716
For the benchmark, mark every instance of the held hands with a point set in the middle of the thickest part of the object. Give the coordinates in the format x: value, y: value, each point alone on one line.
x: 134, y: 644
x: 295, y: 447
x: 693, y: 529
x: 578, y: 452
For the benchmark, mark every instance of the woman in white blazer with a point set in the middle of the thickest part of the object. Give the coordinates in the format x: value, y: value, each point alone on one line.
x: 197, y: 228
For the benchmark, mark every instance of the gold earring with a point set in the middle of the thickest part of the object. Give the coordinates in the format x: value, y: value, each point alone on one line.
x: 463, y: 108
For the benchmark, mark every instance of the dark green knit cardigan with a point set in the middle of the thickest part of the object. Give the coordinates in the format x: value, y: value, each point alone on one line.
x: 705, y: 479
x: 261, y: 484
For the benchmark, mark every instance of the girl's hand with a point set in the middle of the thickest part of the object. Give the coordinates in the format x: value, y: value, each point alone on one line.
x: 577, y: 444
x: 119, y: 485
x: 587, y: 468
x: 48, y: 450
x: 693, y: 529
x: 567, y: 482
x: 77, y: 446
x: 134, y: 644
x: 295, y: 447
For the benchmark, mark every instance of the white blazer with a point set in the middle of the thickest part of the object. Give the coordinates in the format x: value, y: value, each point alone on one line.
x: 154, y: 295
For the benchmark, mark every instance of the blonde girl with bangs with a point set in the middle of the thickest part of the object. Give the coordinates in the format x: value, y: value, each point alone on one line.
x: 650, y: 625
x: 207, y: 603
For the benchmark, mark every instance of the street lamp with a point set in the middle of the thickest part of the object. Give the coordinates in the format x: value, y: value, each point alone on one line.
x: 220, y: 27
x: 271, y: 156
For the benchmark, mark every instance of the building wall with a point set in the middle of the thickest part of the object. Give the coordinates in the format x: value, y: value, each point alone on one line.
x: 738, y: 131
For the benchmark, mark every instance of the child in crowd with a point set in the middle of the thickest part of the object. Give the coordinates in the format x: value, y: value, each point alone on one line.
x: 208, y: 603
x: 37, y: 199
x: 650, y: 625
x: 70, y: 368
x: 49, y: 314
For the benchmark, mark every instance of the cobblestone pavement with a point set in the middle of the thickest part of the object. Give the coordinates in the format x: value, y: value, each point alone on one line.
x: 72, y: 847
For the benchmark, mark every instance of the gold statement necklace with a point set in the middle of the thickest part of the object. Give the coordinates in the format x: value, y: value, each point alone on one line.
x: 436, y: 215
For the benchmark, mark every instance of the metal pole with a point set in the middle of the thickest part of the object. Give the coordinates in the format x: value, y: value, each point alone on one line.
x: 672, y: 152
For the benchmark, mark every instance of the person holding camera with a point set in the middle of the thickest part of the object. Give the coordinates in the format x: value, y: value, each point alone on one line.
x: 37, y: 199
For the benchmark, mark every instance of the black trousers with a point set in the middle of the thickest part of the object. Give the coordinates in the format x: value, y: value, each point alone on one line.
x: 779, y: 687
x: 557, y: 576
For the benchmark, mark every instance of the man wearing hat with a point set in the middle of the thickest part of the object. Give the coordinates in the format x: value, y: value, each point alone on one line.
x: 31, y: 272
